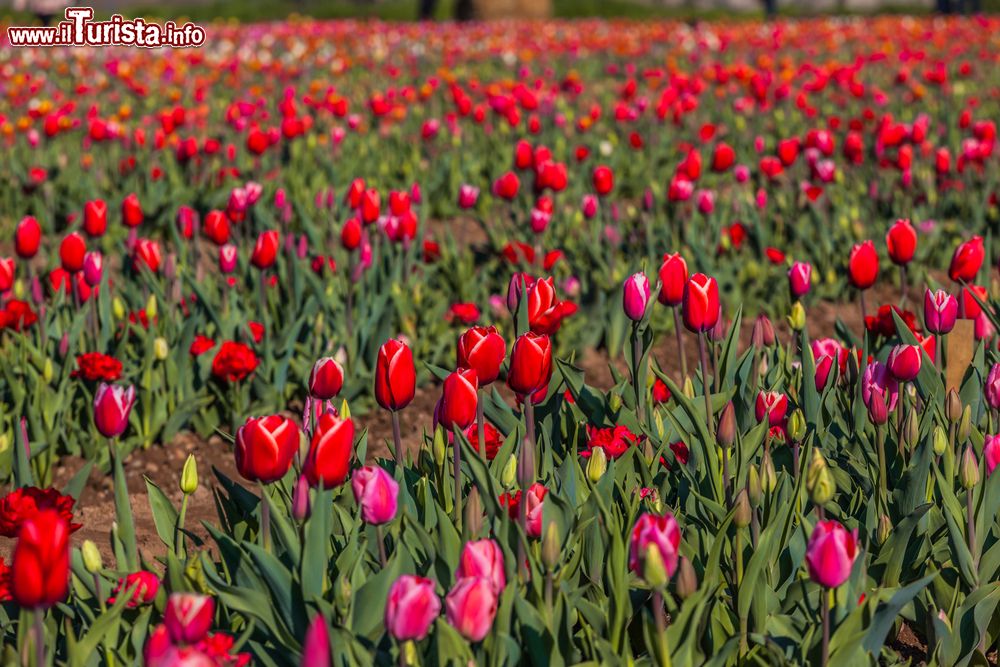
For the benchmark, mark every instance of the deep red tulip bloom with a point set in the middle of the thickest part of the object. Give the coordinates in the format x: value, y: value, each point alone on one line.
x: 71, y: 252
x: 395, y: 375
x: 673, y: 278
x: 967, y: 260
x: 483, y: 349
x: 371, y: 206
x: 265, y: 447
x: 904, y: 362
x: 8, y: 270
x: 112, y: 407
x: 862, y: 265
x: 95, y: 218
x: 771, y: 405
x: 701, y: 303
x: 970, y: 305
x: 459, y: 399
x: 265, y: 252
x: 40, y: 567
x: 188, y: 617
x: 545, y: 311
x: 27, y: 237
x: 901, y: 242
x: 326, y: 379
x: 216, y: 227
x: 530, y: 364
x: 330, y: 451
x: 604, y: 179
x: 507, y: 186
x: 132, y: 211
x: 147, y: 253
x: 723, y: 157
x: 350, y: 234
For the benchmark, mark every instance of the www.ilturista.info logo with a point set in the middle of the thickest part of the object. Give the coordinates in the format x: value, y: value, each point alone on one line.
x: 80, y: 30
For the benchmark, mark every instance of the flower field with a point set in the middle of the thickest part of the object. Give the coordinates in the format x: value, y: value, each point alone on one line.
x: 590, y: 342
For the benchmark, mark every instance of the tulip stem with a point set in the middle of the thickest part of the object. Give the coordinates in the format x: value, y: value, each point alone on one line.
x: 971, y: 519
x: 902, y: 286
x: 39, y: 636
x: 265, y: 519
x: 638, y: 375
x: 97, y: 592
x: 708, y: 405
x: 795, y: 460
x: 349, y: 300
x: 824, y: 609
x: 864, y: 309
x: 882, y: 475
x: 529, y: 419
x: 179, y: 530
x: 481, y: 426
x: 680, y: 345
x: 661, y: 627
x: 397, y: 440
x: 381, y: 545
x: 457, y: 498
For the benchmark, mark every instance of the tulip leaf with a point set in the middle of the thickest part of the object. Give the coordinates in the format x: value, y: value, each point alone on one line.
x: 887, y: 613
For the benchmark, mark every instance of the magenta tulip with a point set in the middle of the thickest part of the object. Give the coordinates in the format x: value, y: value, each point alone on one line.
x: 830, y: 553
x: 376, y: 492
x: 940, y: 311
x: 411, y: 608
x: 661, y: 532
x: 799, y: 279
x: 635, y: 296
x: 471, y: 607
x: 112, y: 406
x: 904, y: 362
x: 992, y: 389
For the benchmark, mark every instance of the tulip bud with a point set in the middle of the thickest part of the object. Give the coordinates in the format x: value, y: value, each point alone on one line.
x: 878, y: 411
x: 726, y: 431
x: 344, y: 594
x: 48, y: 371
x: 755, y: 494
x: 4, y: 443
x: 92, y: 561
x: 189, y: 476
x: 654, y: 571
x: 965, y: 425
x: 160, y: 348
x: 597, y: 464
x: 763, y: 332
x: 911, y: 429
x: 741, y: 509
x: 884, y: 529
x: 968, y: 471
x: 300, y: 499
x: 440, y: 448
x: 345, y: 410
x: 797, y: 317
x: 940, y: 441
x: 151, y: 308
x: 659, y: 425
x: 688, y: 389
x: 953, y: 407
x: 473, y: 512
x: 819, y: 481
x: 550, y: 546
x: 615, y: 402
x: 509, y: 473
x: 768, y: 477
x: 687, y: 580
x: 118, y: 308
x: 797, y: 426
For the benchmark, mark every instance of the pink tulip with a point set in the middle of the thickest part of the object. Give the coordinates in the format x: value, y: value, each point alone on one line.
x: 635, y: 296
x: 227, y: 258
x: 589, y: 206
x: 376, y: 492
x: 161, y: 652
x: 982, y: 327
x: 188, y: 617
x: 799, y: 277
x: 940, y: 311
x: 411, y: 608
x: 661, y: 532
x: 904, y: 362
x: 468, y: 195
x: 316, y: 647
x: 830, y: 553
x: 483, y: 558
x: 93, y: 268
x: 471, y: 607
x: 773, y: 405
x: 112, y: 405
x: 706, y: 201
x: 877, y: 375
x: 992, y: 389
x: 991, y: 453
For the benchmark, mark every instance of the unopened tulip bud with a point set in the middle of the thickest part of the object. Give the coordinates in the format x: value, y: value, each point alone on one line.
x: 4, y: 443
x: 654, y: 571
x: 64, y: 345
x: 768, y: 477
x: 878, y: 411
x: 615, y: 402
x: 940, y: 441
x: 726, y: 431
x: 688, y: 389
x: 968, y: 470
x: 884, y: 529
x: 344, y: 593
x: 509, y: 473
x: 819, y: 481
x: 797, y: 317
x: 160, y: 348
x: 118, y: 308
x: 741, y: 509
x: 48, y: 371
x: 911, y: 429
x: 797, y: 426
x: 300, y: 499
x: 687, y: 580
x: 345, y: 410
x: 763, y: 332
x: 550, y: 546
x: 440, y: 449
x: 92, y: 561
x: 189, y: 476
x: 755, y: 493
x: 597, y: 465
x: 151, y: 307
x: 659, y: 425
x: 965, y: 425
x: 473, y: 512
x: 953, y: 407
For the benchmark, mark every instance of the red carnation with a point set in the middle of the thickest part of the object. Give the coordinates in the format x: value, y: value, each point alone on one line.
x: 615, y: 441
x: 200, y: 345
x: 94, y: 366
x: 234, y: 362
x: 28, y: 502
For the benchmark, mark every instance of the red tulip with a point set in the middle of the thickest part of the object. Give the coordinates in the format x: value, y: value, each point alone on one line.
x: 471, y: 607
x: 146, y: 585
x: 188, y: 617
x: 483, y: 558
x: 536, y: 505
x: 723, y: 157
x: 7, y: 273
x: 95, y: 217
x: 862, y: 265
x: 967, y: 260
x: 459, y: 398
x: 530, y: 364
x: 265, y: 447
x: 411, y: 608
x: 673, y: 278
x: 524, y: 157
x: 354, y: 193
x: 395, y: 375
x: 39, y: 575
x: 545, y: 311
x: 132, y: 211
x: 326, y: 379
x: 27, y: 237
x: 112, y: 406
x: 901, y: 241
x: 265, y: 252
x: 700, y: 303
x: 507, y: 186
x: 659, y: 532
x: 799, y: 277
x: 371, y: 206
x: 830, y: 553
x: 970, y: 306
x: 904, y: 362
x: 604, y: 179
x: 216, y: 227
x: 376, y: 493
x: 71, y: 252
x: 148, y: 254
x: 93, y: 268
x: 330, y: 452
x: 484, y: 350
x: 773, y: 405
x: 228, y: 256
x: 350, y: 234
